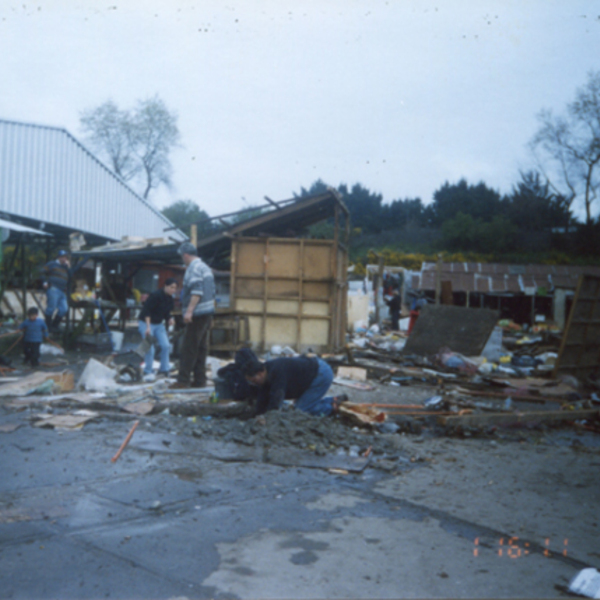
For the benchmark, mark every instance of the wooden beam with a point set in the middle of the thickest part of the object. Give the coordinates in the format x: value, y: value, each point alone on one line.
x: 273, y: 203
x: 551, y: 416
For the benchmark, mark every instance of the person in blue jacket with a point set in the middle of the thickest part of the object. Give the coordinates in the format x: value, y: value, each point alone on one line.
x: 35, y: 333
x: 56, y: 279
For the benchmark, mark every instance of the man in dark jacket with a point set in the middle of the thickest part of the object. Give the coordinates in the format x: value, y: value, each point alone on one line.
x: 153, y: 319
x: 394, y: 305
x: 303, y: 379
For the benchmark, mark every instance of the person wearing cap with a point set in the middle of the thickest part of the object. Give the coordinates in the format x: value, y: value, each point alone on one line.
x: 198, y: 307
x: 56, y: 278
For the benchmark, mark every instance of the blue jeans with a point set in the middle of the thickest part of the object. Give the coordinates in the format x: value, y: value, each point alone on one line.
x: 160, y: 333
x: 313, y: 401
x: 55, y: 299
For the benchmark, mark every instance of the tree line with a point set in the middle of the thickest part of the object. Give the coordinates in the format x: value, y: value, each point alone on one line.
x: 137, y: 142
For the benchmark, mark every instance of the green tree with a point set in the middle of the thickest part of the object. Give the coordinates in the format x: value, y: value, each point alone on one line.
x: 466, y: 233
x: 567, y: 147
x: 479, y: 201
x: 184, y: 213
x: 136, y: 143
x: 532, y: 206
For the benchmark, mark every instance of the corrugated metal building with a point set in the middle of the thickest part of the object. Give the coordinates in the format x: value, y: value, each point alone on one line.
x: 500, y: 279
x: 48, y: 179
x: 521, y: 291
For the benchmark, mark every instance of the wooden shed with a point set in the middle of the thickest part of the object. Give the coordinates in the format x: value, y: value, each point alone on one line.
x: 291, y: 290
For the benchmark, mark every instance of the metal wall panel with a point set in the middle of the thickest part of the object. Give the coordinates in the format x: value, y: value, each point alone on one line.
x: 46, y: 174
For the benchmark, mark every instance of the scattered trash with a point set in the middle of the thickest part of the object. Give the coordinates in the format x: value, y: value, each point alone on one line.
x: 354, y: 373
x: 586, y: 583
x: 51, y: 349
x: 9, y: 427
x: 360, y: 414
x: 434, y: 403
x: 75, y: 420
x: 97, y: 377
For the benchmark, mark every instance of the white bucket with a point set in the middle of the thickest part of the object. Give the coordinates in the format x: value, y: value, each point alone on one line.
x: 117, y: 340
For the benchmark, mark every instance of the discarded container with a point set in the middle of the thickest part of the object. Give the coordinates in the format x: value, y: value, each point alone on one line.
x: 434, y: 403
x: 117, y: 340
x: 97, y: 377
x: 51, y: 349
x: 223, y: 388
x: 493, y: 347
x: 586, y: 583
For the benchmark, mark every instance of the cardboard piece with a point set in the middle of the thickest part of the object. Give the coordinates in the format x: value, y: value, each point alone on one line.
x: 140, y: 408
x: 9, y: 427
x: 75, y: 420
x: 463, y: 330
x: 362, y: 386
x: 361, y: 414
x: 25, y: 385
x: 354, y: 373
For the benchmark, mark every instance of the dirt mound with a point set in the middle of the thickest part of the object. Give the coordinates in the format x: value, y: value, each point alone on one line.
x: 294, y: 428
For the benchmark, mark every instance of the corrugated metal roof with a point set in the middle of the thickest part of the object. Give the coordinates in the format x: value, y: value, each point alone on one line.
x: 500, y: 278
x: 47, y: 175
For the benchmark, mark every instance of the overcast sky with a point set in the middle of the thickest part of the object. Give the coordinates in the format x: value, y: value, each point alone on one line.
x: 271, y: 95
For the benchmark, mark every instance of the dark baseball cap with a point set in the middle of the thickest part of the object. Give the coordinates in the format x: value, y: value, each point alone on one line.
x: 187, y: 248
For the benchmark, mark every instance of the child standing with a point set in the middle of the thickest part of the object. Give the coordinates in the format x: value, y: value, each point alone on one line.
x: 36, y: 332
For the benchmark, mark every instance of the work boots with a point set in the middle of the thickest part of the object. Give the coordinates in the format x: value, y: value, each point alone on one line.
x: 54, y: 326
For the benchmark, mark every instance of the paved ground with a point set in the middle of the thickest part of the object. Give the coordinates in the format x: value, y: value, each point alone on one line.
x: 184, y: 514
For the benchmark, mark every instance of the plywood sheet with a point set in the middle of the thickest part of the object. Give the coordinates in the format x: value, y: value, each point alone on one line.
x: 463, y: 330
x: 282, y: 287
x: 284, y: 260
x: 247, y: 305
x: 315, y: 308
x: 579, y: 353
x: 285, y: 307
x: 314, y: 332
x: 255, y: 327
x: 250, y: 258
x: 316, y: 291
x: 249, y: 287
x: 317, y: 262
x: 280, y: 330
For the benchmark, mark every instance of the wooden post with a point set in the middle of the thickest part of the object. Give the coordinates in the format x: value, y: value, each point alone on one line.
x: 263, y: 328
x: 438, y: 279
x: 300, y: 294
x: 377, y: 284
x: 194, y: 235
x: 24, y: 280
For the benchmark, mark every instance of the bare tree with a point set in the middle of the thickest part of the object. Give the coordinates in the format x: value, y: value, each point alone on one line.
x: 567, y: 147
x: 136, y: 142
x: 110, y: 132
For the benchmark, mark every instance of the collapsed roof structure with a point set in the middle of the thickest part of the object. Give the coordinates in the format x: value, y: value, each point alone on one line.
x: 284, y: 286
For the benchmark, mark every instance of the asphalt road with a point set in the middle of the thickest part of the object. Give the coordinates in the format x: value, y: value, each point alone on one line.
x: 183, y: 516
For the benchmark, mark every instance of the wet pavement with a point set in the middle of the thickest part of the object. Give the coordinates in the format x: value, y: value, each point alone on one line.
x: 185, y: 513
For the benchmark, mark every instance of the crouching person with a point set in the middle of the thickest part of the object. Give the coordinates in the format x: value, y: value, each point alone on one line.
x: 303, y: 379
x: 36, y: 332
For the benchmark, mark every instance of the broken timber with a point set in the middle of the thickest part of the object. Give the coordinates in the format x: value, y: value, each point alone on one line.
x: 552, y: 416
